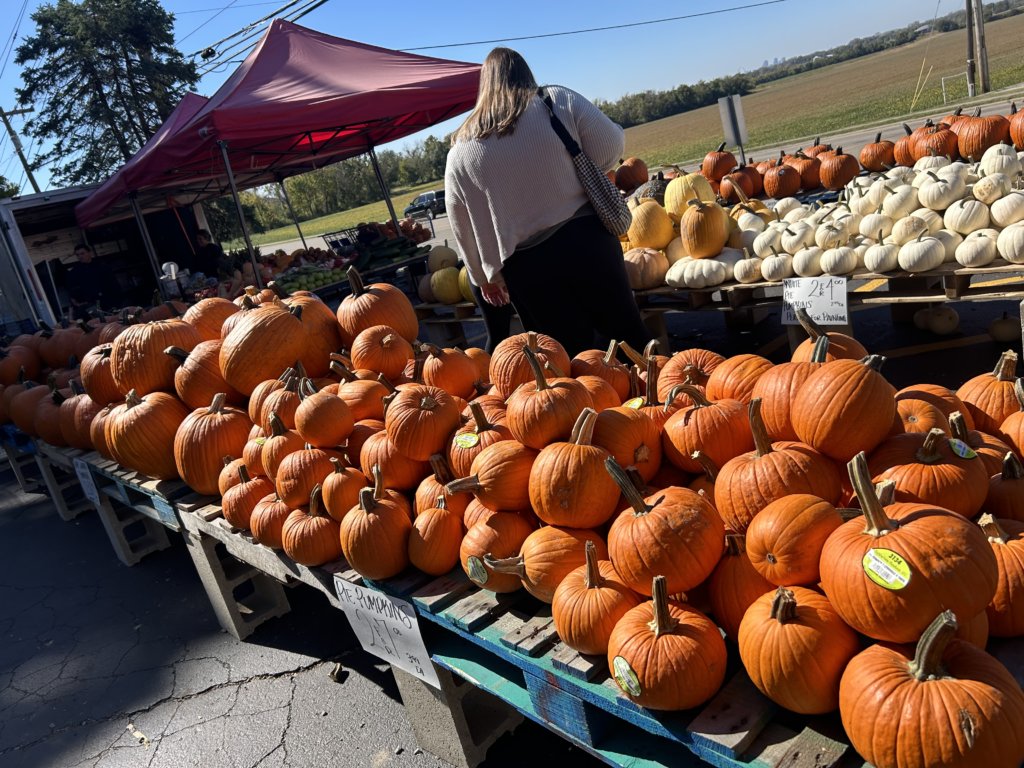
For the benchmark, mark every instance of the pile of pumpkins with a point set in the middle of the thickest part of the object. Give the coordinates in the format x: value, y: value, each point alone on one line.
x: 445, y: 282
x: 855, y: 544
x: 917, y: 208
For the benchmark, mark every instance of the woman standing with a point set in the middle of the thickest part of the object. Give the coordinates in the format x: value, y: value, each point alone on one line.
x: 523, y: 222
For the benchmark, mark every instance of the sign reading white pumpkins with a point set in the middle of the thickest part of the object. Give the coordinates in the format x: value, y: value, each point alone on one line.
x: 388, y: 628
x: 824, y: 298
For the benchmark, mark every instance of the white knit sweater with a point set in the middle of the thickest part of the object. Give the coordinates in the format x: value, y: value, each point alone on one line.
x: 500, y: 191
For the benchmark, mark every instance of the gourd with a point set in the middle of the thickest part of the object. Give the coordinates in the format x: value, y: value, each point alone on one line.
x: 978, y: 249
x: 906, y: 229
x: 881, y: 257
x: 1010, y: 243
x: 1000, y: 158
x: 777, y: 267
x: 841, y: 260
x: 645, y: 268
x: 965, y: 216
x: 1008, y: 209
x: 991, y: 188
x: 807, y: 261
x: 921, y: 254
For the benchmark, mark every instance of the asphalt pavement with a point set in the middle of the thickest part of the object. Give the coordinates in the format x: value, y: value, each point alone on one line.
x: 105, y: 666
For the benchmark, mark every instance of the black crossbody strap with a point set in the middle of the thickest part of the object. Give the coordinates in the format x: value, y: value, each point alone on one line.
x: 560, y: 129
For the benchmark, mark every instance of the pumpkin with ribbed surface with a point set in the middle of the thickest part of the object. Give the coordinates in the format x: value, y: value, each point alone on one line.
x: 140, y: 433
x: 310, y: 537
x: 795, y: 647
x: 375, y: 537
x: 375, y: 304
x: 321, y: 333
x: 776, y: 387
x: 382, y: 349
x: 137, y: 359
x: 400, y: 472
x: 197, y: 377
x: 473, y: 437
x: 229, y: 476
x: 690, y: 366
x: 509, y: 367
x: 433, y: 486
x: 840, y: 345
x: 546, y: 556
x: 736, y: 377
x: 451, y: 370
x: 990, y: 397
x: 435, y: 538
x: 991, y: 450
x: 299, y: 472
x: 340, y: 489
x: 594, y: 362
x: 1005, y: 497
x: 204, y: 438
x: 420, y: 419
x: 98, y: 431
x: 785, y: 539
x: 96, y: 376
x: 1006, y: 611
x: 267, y: 521
x: 734, y: 585
x: 260, y: 345
x: 719, y: 429
x: 542, y: 411
x: 240, y: 500
x: 323, y: 419
x: 703, y: 229
x: 666, y: 655
x: 499, y: 476
x: 207, y: 316
x: 499, y: 535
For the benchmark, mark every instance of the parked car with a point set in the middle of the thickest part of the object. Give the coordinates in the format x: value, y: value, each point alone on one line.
x: 429, y: 204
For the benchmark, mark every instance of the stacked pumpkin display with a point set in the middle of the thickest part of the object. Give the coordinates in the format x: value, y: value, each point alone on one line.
x: 655, y: 507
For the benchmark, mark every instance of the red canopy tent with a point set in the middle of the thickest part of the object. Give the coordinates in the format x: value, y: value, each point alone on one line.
x: 301, y: 100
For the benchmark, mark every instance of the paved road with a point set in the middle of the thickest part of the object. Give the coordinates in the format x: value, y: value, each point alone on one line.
x: 103, y: 666
x: 442, y: 232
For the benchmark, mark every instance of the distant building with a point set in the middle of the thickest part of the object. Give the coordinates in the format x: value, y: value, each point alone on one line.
x: 924, y: 29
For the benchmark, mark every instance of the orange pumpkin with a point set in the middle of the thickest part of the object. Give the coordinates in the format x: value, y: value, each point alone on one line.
x: 991, y: 398
x: 1006, y: 490
x: 267, y: 521
x: 469, y: 440
x: 1012, y: 428
x: 323, y: 419
x: 375, y: 536
x: 433, y: 485
x: 399, y: 471
x: 450, y: 369
x: 207, y: 316
x: 420, y: 420
x: 499, y: 535
x: 941, y: 397
x: 97, y: 377
x: 197, y: 377
x: 140, y: 433
x: 340, y: 489
x: 499, y: 476
x: 785, y: 539
x: 795, y: 647
x: 229, y: 476
x: 542, y: 411
x: 381, y: 348
x: 1005, y: 612
x: 604, y: 365
x: 204, y: 438
x: 735, y: 378
x: 991, y: 450
x: 509, y: 368
x: 376, y: 304
x: 776, y: 387
x: 719, y: 429
x: 435, y: 538
x: 240, y: 500
x: 137, y: 359
x: 308, y: 536
x: 299, y: 472
x: 262, y: 343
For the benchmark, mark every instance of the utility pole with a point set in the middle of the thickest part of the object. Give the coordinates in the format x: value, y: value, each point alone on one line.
x: 970, y: 50
x: 980, y: 47
x: 4, y: 115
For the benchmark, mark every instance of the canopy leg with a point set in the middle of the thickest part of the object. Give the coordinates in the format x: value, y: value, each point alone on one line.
x: 148, y: 243
x: 384, y: 189
x: 295, y: 219
x: 241, y: 215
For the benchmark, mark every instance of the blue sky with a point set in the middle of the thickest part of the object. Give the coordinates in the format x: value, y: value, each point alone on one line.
x: 603, y: 64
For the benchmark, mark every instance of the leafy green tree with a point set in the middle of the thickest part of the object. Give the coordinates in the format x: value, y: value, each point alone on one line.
x: 8, y: 188
x: 102, y: 76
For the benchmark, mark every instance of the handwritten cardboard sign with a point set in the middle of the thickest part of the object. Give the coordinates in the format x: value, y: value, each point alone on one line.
x: 388, y: 628
x: 823, y: 297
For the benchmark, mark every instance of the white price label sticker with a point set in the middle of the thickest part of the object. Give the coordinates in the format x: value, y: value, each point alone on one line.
x: 388, y: 628
x: 85, y: 480
x: 824, y: 298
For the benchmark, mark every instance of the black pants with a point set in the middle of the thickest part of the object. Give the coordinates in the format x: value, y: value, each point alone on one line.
x: 573, y: 284
x: 497, y: 320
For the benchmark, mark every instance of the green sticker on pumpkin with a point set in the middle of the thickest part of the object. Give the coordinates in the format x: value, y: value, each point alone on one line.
x: 625, y: 676
x: 635, y: 403
x: 467, y: 439
x: 962, y: 449
x: 886, y: 568
x: 477, y: 571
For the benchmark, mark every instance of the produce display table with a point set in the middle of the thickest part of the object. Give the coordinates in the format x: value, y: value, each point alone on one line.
x: 57, y: 470
x: 19, y: 451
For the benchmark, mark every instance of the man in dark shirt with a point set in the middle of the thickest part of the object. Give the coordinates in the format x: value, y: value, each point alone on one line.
x: 90, y: 282
x: 210, y: 258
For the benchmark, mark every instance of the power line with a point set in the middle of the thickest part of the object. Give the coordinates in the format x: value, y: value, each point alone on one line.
x: 218, y: 13
x: 598, y: 29
x: 9, y: 47
x: 208, y: 10
x: 248, y: 27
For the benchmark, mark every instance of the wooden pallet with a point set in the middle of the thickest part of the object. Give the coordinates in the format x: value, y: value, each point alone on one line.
x: 507, y: 644
x: 20, y: 452
x: 57, y: 470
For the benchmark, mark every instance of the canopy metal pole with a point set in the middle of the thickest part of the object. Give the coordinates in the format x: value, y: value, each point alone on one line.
x: 384, y: 189
x: 133, y: 200
x: 295, y: 219
x: 241, y: 215
x: 53, y: 284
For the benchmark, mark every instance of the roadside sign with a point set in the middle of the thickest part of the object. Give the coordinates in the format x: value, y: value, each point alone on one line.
x: 824, y: 298
x: 733, y: 125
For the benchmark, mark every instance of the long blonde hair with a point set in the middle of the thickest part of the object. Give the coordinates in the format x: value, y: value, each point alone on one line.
x: 506, y: 88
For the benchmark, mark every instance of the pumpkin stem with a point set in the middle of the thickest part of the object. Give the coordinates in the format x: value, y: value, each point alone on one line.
x: 651, y: 385
x: 471, y: 484
x: 427, y: 403
x: 876, y: 521
x: 633, y: 496
x: 819, y: 354
x: 699, y: 399
x: 927, y: 661
x: 441, y: 502
x: 367, y: 500
x: 651, y: 348
x: 355, y: 280
x: 1006, y: 368
x: 707, y: 464
x: 243, y: 473
x: 663, y: 622
x: 635, y: 357
x: 378, y: 482
x: 593, y: 580
x: 479, y: 417
x: 814, y: 330
x: 217, y: 404
x: 177, y: 353
x: 958, y: 427
x: 878, y: 137
x: 929, y: 452
x: 538, y: 372
x: 132, y: 399
x: 886, y: 492
x: 227, y: 460
x: 613, y: 350
x: 277, y: 427
x: 993, y: 529
x: 336, y: 463
x: 583, y: 430
x: 442, y: 472
x: 874, y: 362
x: 342, y: 372
x: 1012, y: 467
x: 382, y: 379
x: 514, y: 565
x: 735, y: 544
x: 783, y: 605
x: 762, y: 443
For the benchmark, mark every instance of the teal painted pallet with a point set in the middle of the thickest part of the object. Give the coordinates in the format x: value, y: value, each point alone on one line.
x: 508, y: 645
x: 156, y: 499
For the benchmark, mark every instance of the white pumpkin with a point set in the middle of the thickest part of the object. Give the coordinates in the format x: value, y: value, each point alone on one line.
x: 1008, y: 209
x: 839, y: 261
x: 900, y: 173
x: 950, y: 242
x: 748, y: 270
x: 932, y: 218
x: 906, y: 229
x: 645, y: 268
x: 730, y: 257
x: 939, y: 192
x: 991, y: 187
x: 959, y: 170
x: 873, y: 223
x: 857, y: 199
x: 674, y: 276
x: 675, y: 251
x: 931, y: 162
x: 878, y: 190
x: 807, y: 261
x: 777, y: 268
x: 1011, y: 243
x: 767, y: 240
x: 704, y: 273
x: 785, y: 205
x: 1000, y: 158
x: 882, y: 257
x: 849, y: 222
x: 942, y: 320
x: 900, y: 201
x: 751, y: 222
x: 1005, y: 329
x: 921, y: 318
x: 830, y: 235
x: 796, y: 214
x: 965, y: 216
x: 860, y: 247
x: 820, y: 214
x: 796, y: 236
x: 921, y: 254
x: 978, y: 249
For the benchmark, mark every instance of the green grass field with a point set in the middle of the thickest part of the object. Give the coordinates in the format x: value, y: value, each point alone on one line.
x: 871, y: 89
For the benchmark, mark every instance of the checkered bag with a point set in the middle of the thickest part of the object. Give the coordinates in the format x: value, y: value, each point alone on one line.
x: 609, y: 204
